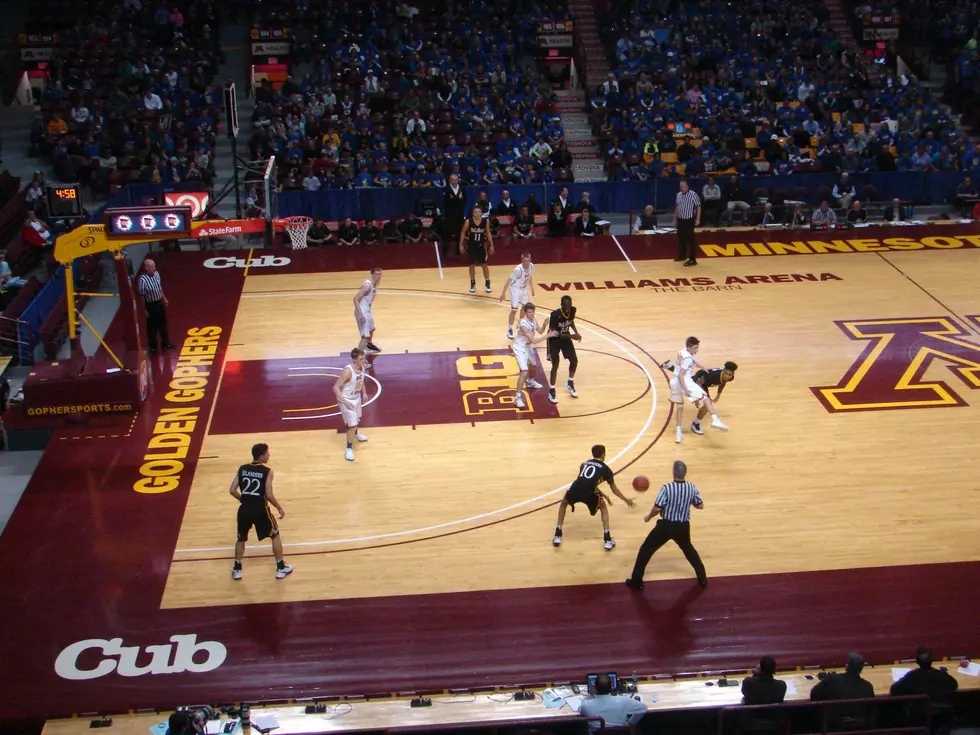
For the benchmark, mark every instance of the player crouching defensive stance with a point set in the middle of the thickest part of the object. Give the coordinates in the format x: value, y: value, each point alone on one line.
x: 528, y: 333
x: 351, y: 394
x: 252, y: 488
x: 715, y: 377
x: 682, y: 384
x: 585, y: 489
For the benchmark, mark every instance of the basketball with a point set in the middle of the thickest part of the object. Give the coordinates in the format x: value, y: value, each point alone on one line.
x: 641, y: 484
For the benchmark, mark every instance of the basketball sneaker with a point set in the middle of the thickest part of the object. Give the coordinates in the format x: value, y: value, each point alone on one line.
x: 668, y: 365
x: 349, y: 454
x: 236, y: 571
x: 519, y: 401
x: 282, y: 571
x: 571, y: 389
x: 608, y: 544
x: 556, y: 541
x: 472, y: 286
x: 360, y: 437
x: 679, y: 436
x: 717, y: 424
x: 532, y: 383
x: 510, y: 333
x: 373, y: 347
x: 551, y: 395
x: 488, y: 289
x: 696, y: 428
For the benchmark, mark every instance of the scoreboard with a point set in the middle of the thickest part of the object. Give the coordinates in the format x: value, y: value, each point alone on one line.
x: 64, y: 201
x: 150, y: 221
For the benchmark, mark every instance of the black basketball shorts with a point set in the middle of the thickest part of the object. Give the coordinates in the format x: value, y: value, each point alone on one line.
x: 258, y: 515
x: 561, y: 346
x: 583, y: 494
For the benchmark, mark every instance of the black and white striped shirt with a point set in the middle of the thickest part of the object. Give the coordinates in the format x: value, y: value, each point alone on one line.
x: 687, y: 204
x: 150, y: 288
x: 676, y: 499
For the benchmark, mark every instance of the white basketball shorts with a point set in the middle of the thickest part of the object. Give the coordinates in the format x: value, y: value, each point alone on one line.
x: 677, y: 393
x: 523, y: 355
x: 367, y: 326
x: 519, y: 296
x: 351, y: 418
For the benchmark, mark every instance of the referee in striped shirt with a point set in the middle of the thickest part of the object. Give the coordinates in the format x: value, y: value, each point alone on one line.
x: 673, y: 505
x: 151, y: 289
x: 687, y: 216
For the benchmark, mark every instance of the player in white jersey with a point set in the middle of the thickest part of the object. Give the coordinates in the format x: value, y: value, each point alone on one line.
x: 351, y: 394
x: 521, y: 285
x: 682, y: 385
x: 528, y: 333
x: 363, y: 314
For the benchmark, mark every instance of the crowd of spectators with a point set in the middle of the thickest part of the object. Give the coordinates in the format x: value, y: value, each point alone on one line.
x: 507, y: 218
x: 406, y: 96
x: 758, y: 88
x: 130, y: 94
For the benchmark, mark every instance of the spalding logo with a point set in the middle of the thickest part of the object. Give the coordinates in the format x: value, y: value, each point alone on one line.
x: 262, y: 262
x: 67, y: 667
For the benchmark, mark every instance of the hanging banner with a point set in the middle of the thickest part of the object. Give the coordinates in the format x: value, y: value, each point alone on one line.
x: 36, y: 54
x: 271, y: 48
x: 555, y: 41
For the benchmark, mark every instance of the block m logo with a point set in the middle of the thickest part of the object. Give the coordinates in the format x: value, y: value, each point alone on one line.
x: 889, y: 373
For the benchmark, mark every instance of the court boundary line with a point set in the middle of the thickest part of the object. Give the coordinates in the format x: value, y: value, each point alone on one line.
x: 630, y: 262
x: 460, y: 297
x: 405, y: 542
x: 433, y: 537
x: 963, y: 320
x: 214, y: 401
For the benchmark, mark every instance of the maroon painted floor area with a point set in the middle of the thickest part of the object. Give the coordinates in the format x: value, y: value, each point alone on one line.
x: 297, y: 395
x: 86, y: 558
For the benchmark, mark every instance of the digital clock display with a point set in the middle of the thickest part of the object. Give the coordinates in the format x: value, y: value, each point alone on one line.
x: 132, y: 222
x: 64, y: 201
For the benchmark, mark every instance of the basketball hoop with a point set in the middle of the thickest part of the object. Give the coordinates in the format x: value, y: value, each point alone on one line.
x: 296, y: 227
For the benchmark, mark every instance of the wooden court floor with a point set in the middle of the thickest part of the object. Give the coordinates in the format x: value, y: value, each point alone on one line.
x: 439, y: 501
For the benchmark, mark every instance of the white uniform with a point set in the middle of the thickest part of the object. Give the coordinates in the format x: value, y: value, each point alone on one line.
x: 367, y: 326
x: 520, y: 281
x: 352, y: 392
x: 684, y: 371
x: 522, y: 345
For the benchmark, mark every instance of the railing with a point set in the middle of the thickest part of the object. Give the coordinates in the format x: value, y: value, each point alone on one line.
x: 384, y: 203
x: 21, y: 345
x: 502, y: 724
x: 828, y: 716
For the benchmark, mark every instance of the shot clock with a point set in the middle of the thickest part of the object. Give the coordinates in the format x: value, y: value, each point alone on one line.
x: 152, y: 222
x: 64, y: 201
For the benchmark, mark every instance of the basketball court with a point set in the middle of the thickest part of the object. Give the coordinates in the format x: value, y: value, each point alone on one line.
x: 842, y: 488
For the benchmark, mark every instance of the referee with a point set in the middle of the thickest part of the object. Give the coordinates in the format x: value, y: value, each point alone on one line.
x: 687, y: 216
x: 673, y: 505
x: 150, y: 288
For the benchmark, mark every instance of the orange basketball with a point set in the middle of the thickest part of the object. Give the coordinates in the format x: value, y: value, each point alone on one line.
x: 641, y: 484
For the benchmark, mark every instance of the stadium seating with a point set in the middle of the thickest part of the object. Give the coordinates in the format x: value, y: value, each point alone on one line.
x: 129, y: 97
x: 785, y: 97
x: 407, y: 107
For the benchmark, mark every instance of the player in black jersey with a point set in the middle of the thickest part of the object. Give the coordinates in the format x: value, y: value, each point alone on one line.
x: 585, y: 489
x: 714, y: 378
x: 563, y: 322
x: 252, y: 488
x: 476, y: 240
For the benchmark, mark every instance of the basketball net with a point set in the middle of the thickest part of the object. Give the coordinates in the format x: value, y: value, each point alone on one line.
x: 297, y: 227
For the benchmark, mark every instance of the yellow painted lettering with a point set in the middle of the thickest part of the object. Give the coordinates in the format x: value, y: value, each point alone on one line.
x: 156, y: 485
